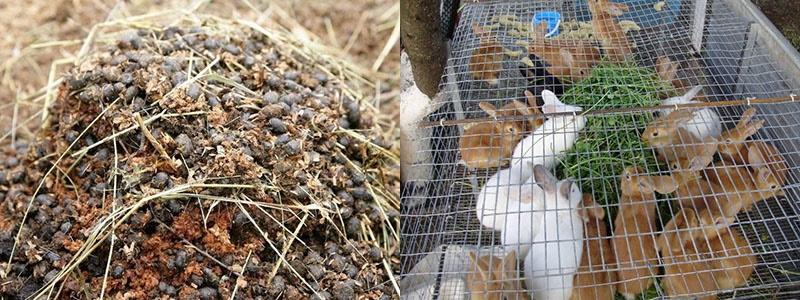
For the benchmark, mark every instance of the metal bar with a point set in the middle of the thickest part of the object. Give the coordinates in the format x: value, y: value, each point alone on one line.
x: 722, y: 103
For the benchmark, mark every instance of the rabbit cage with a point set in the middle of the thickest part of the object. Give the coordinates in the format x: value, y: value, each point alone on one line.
x: 726, y: 46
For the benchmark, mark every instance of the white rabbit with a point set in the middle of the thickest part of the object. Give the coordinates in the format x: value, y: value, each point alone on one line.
x: 706, y: 121
x: 555, y: 254
x: 553, y: 138
x: 504, y: 186
x: 524, y: 218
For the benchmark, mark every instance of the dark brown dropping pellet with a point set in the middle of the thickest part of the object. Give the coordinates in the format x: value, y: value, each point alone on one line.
x: 196, y: 280
x: 12, y: 162
x: 193, y: 91
x: 210, y: 277
x: 344, y: 290
x: 301, y: 192
x: 17, y: 176
x: 274, y: 82
x: 278, y: 283
x: 270, y: 97
x: 65, y: 227
x: 375, y: 254
x: 131, y: 92
x: 277, y: 126
x: 316, y: 271
x: 344, y: 123
x: 353, y: 226
x: 346, y: 212
x: 208, y: 293
x: 232, y: 49
x: 185, y: 145
x: 211, y: 44
x: 331, y: 247
x: 293, y: 147
x: 160, y: 181
x: 248, y: 61
x: 213, y: 100
x: 353, y: 112
x: 291, y: 75
x: 178, y: 78
x: 345, y: 197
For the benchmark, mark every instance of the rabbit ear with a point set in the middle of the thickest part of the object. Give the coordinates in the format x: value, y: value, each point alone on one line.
x: 746, y: 116
x: 679, y: 116
x: 664, y: 184
x: 551, y: 102
x: 566, y: 55
x: 666, y: 69
x: 564, y: 188
x: 544, y: 178
x: 530, y: 98
x: 616, y: 9
x: 481, y: 266
x: 510, y: 263
x: 488, y: 108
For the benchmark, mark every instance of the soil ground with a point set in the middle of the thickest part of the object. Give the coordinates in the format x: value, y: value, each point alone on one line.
x: 783, y: 13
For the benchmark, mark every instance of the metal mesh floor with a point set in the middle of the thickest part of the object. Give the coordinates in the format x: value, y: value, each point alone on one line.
x: 734, y: 61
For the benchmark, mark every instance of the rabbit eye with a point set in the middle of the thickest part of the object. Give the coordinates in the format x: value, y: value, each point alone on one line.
x: 511, y: 129
x: 728, y: 141
x: 774, y: 187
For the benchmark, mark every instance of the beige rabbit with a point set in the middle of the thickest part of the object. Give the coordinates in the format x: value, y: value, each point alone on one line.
x: 490, y: 144
x: 633, y: 241
x: 686, y: 272
x: 742, y: 186
x: 607, y: 29
x: 593, y: 279
x: 733, y: 144
x: 494, y: 278
x: 676, y: 144
x: 486, y: 61
x: 567, y: 59
x: 726, y: 250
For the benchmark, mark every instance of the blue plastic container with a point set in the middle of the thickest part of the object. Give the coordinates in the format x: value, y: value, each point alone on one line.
x: 553, y: 19
x: 642, y: 12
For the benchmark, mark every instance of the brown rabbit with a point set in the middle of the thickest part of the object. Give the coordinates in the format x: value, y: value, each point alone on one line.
x: 762, y: 154
x: 488, y: 145
x: 686, y: 272
x: 633, y: 241
x: 701, y: 193
x: 494, y: 278
x: 667, y: 71
x: 726, y: 250
x: 743, y: 187
x: 486, y: 61
x: 733, y: 145
x: 568, y: 59
x: 675, y: 144
x: 593, y: 279
x: 607, y: 29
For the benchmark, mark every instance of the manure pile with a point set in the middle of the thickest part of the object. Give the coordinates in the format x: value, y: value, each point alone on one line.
x: 199, y: 163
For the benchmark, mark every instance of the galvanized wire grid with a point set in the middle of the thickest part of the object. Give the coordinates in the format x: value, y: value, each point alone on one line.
x: 441, y: 228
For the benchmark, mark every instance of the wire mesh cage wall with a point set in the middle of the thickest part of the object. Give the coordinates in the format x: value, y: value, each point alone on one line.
x: 485, y: 222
